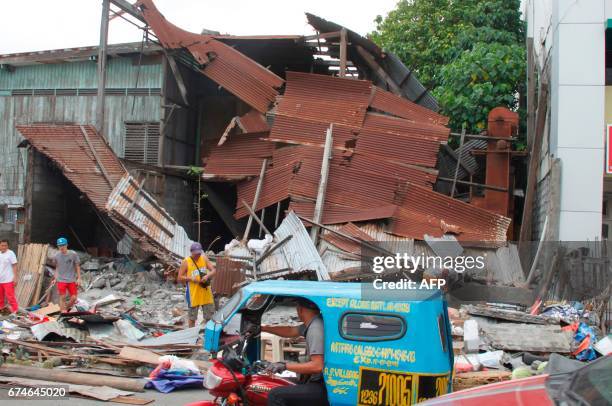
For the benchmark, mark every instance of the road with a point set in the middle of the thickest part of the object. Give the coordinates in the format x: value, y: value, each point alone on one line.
x: 176, y: 398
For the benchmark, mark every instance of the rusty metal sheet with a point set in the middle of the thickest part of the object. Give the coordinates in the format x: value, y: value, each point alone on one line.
x: 240, y: 155
x: 302, y: 131
x: 424, y: 211
x: 240, y: 75
x: 253, y: 122
x: 395, y: 125
x: 346, y: 244
x: 228, y: 276
x: 388, y: 102
x: 92, y: 167
x: 337, y: 214
x: 68, y: 148
x: 325, y: 98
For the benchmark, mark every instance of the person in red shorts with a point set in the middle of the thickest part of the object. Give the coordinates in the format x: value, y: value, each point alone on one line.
x: 8, y: 277
x: 67, y: 274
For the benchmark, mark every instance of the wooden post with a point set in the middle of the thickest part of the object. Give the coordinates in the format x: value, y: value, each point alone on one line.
x: 254, y: 215
x: 278, y: 207
x: 256, y: 198
x: 532, y: 174
x: 458, y: 161
x: 378, y: 70
x: 318, y: 211
x: 343, y: 46
x: 102, y: 66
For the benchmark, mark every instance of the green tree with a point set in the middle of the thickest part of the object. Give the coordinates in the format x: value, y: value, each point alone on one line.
x: 469, y: 53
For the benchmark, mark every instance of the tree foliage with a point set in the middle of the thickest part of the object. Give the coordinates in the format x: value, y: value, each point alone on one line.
x: 470, y: 53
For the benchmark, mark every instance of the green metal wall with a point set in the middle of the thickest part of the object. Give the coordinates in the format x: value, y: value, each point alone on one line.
x: 16, y: 110
x: 121, y: 73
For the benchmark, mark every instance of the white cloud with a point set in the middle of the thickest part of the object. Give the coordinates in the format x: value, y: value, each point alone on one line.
x: 33, y: 25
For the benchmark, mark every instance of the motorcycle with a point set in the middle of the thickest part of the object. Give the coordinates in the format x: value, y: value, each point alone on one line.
x: 232, y: 381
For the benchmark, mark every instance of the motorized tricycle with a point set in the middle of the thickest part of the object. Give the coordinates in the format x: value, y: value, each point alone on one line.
x: 377, y: 352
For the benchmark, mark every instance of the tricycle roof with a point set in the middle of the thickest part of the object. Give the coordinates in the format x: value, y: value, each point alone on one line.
x: 331, y: 289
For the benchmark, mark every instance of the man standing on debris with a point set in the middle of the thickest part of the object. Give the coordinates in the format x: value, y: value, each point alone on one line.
x: 8, y: 276
x: 196, y: 272
x: 67, y: 274
x: 311, y: 390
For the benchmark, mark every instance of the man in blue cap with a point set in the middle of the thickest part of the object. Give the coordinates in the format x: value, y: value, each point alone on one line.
x: 196, y: 272
x: 67, y: 274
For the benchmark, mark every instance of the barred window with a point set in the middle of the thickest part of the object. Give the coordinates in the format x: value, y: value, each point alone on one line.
x: 142, y: 142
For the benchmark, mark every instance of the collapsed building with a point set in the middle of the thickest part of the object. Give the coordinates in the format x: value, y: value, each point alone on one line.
x: 250, y: 117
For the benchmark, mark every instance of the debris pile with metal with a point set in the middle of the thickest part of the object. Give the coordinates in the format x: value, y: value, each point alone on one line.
x: 495, y: 342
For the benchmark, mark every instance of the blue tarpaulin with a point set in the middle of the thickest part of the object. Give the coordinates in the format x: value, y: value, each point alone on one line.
x: 166, y: 382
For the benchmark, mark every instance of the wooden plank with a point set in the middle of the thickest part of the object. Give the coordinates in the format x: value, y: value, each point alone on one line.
x: 327, y: 155
x: 102, y: 48
x: 378, y: 70
x: 532, y: 175
x: 343, y: 47
x: 262, y: 173
x: 22, y: 371
x: 95, y: 156
x: 49, y: 309
x: 178, y: 77
x: 131, y: 400
x: 152, y: 358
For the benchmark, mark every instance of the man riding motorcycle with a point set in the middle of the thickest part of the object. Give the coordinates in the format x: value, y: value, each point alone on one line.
x: 311, y: 389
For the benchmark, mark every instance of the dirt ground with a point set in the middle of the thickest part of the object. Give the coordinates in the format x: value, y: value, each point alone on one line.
x: 176, y: 398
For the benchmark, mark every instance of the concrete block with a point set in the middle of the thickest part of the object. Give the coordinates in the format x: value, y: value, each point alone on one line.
x: 471, y: 338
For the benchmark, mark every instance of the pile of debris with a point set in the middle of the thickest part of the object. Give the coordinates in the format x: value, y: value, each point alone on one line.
x: 127, y: 320
x: 497, y: 342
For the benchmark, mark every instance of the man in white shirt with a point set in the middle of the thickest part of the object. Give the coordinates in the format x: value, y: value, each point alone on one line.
x: 8, y: 277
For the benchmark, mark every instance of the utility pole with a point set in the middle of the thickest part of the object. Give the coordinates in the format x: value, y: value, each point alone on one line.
x: 102, y: 66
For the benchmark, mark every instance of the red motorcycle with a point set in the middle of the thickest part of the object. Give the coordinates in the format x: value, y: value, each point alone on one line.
x: 232, y: 381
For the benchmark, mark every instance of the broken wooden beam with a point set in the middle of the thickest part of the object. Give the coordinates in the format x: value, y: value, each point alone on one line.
x: 22, y: 371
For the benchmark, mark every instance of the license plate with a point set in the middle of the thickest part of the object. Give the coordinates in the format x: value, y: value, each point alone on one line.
x: 393, y: 388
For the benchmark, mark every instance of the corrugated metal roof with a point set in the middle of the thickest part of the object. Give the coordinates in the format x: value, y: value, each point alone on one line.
x: 74, y: 54
x: 240, y: 155
x: 424, y: 211
x: 395, y: 125
x: 388, y: 102
x: 325, y: 98
x: 253, y: 122
x: 298, y: 253
x: 139, y: 209
x: 411, y: 88
x: 91, y: 166
x: 85, y: 167
x: 241, y: 76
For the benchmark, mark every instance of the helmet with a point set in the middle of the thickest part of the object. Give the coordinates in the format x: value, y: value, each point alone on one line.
x: 62, y: 241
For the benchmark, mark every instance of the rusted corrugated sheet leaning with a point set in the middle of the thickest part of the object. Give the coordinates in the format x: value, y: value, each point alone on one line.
x: 240, y: 75
x: 382, y: 166
x: 91, y: 166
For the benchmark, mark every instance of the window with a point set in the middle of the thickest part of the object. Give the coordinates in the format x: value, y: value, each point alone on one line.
x: 372, y: 326
x: 142, y: 142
